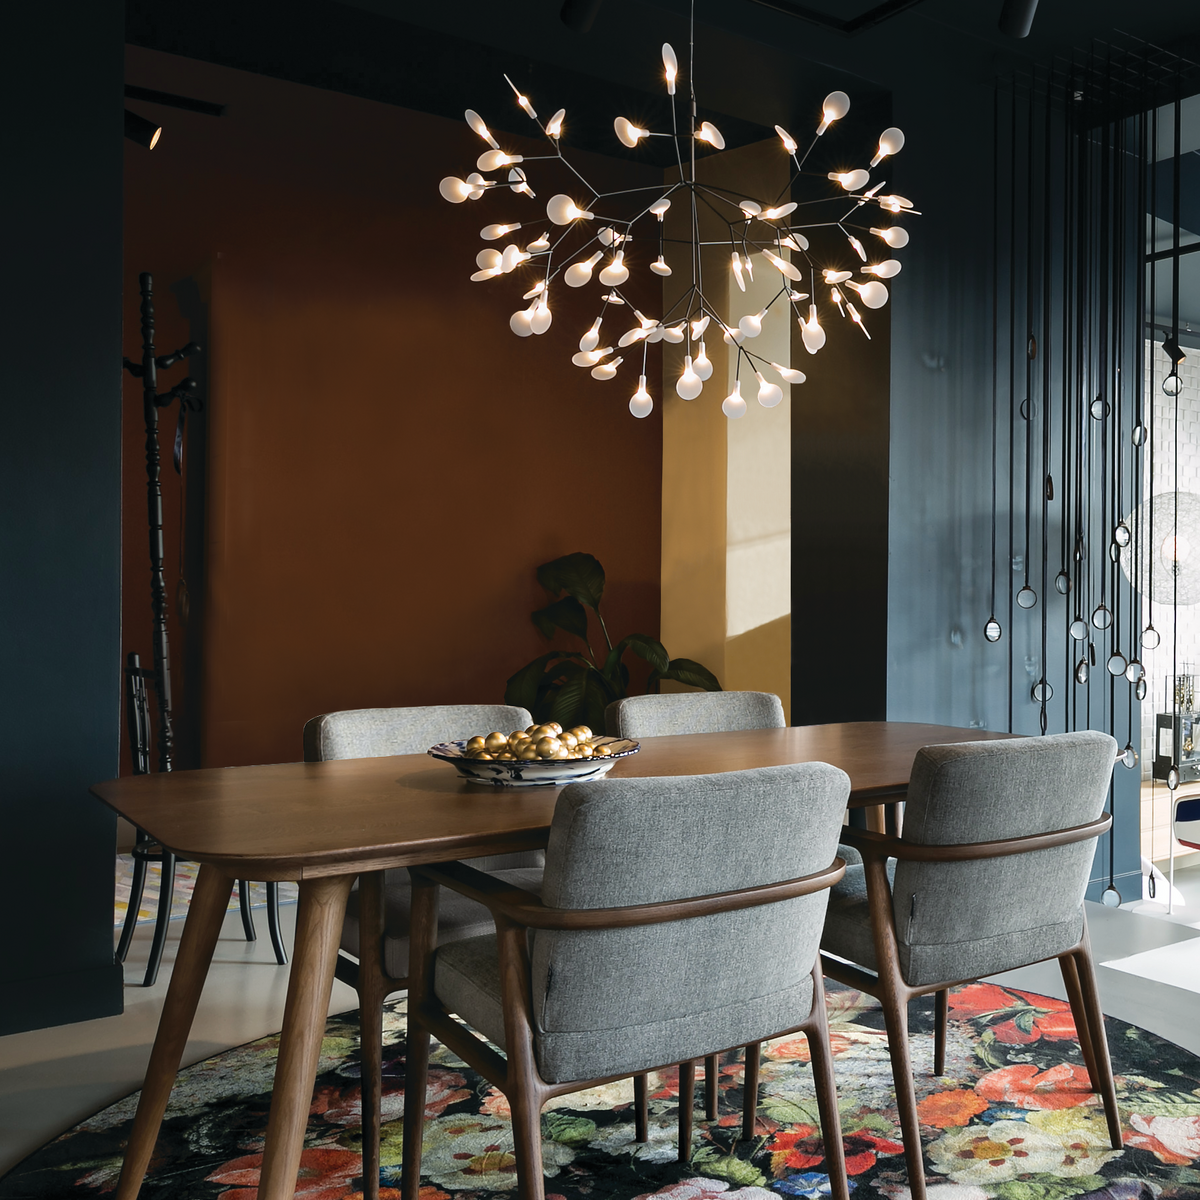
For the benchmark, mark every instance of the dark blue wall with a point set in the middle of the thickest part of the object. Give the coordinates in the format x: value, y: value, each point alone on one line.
x: 60, y: 405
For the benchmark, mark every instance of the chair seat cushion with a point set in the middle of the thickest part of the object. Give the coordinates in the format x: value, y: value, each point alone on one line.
x: 1187, y: 823
x: 848, y: 935
x: 458, y: 917
x: 467, y: 982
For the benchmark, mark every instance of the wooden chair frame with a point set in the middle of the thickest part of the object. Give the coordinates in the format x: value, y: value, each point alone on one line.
x: 890, y: 988
x: 516, y: 1075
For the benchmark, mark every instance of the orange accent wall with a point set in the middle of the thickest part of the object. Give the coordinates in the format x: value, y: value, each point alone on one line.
x: 387, y: 463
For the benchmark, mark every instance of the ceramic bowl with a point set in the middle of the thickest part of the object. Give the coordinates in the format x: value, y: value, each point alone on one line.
x: 538, y: 773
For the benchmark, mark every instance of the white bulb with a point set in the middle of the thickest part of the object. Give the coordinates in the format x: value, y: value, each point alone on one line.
x: 577, y: 274
x: 702, y: 365
x: 670, y: 66
x: 490, y: 233
x: 659, y: 207
x: 479, y: 185
x: 873, y: 294
x: 789, y: 143
x: 895, y: 237
x: 521, y: 322
x: 857, y: 319
x: 699, y: 325
x: 733, y: 337
x: 733, y: 406
x: 476, y: 123
x: 811, y: 332
x: 884, y: 270
x: 673, y: 333
x: 835, y: 107
x: 751, y: 326
x: 789, y: 374
x: 851, y: 180
x: 488, y: 260
x: 589, y: 358
x: 536, y: 290
x: 591, y: 339
x: 542, y: 243
x: 542, y: 316
x: 554, y: 125
x: 659, y: 266
x: 832, y: 276
x: 735, y: 260
x: 891, y: 141
x: 562, y: 210
x: 629, y: 133
x: 640, y: 403
x: 780, y: 210
x: 493, y: 160
x: 795, y: 241
x: 518, y: 182
x: 894, y: 203
x: 769, y: 394
x: 616, y: 272
x: 454, y: 189
x: 709, y: 133
x: 750, y: 208
x: 856, y: 246
x: 689, y: 385
x: 655, y: 334
x: 637, y: 334
x: 512, y: 258
x: 607, y: 370
x: 487, y: 273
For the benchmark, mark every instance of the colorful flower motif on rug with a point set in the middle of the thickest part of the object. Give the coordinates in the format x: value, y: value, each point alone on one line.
x: 1012, y: 1119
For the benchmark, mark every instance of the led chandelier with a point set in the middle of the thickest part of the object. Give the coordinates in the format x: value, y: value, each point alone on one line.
x: 755, y: 227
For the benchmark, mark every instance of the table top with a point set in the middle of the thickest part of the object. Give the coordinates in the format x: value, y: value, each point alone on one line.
x: 303, y: 820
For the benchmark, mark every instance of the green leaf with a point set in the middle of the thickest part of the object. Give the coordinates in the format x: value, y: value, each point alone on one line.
x: 568, y: 1130
x: 523, y: 687
x: 1024, y: 1020
x: 649, y: 649
x: 567, y: 614
x: 583, y: 699
x: 685, y: 670
x: 731, y: 1168
x: 1048, y: 1187
x: 579, y: 575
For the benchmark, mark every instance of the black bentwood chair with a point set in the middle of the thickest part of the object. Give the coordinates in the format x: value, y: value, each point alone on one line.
x: 669, y: 872
x: 373, y: 956
x: 146, y: 850
x: 988, y: 875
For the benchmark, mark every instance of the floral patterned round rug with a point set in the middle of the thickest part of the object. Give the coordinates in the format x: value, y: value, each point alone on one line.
x: 1012, y: 1118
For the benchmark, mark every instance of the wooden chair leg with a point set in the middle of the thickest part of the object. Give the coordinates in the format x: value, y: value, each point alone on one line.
x: 200, y: 933
x: 712, y: 1095
x: 318, y: 931
x: 162, y: 920
x: 416, y: 1076
x: 137, y: 888
x: 273, y: 924
x: 750, y: 1089
x: 247, y: 912
x: 1095, y: 1024
x: 826, y: 1088
x: 941, y: 1006
x: 1070, y: 975
x: 687, y: 1100
x: 527, y: 1143
x: 895, y: 1017
x: 641, y: 1108
x: 372, y: 992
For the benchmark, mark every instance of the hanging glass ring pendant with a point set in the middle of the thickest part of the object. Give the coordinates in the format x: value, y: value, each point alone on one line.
x: 1129, y: 756
x: 1139, y: 434
x: 1116, y: 663
x: 1110, y: 897
x: 1027, y: 597
x: 1101, y: 617
x: 1173, y: 777
x: 992, y: 630
x: 1139, y: 689
x: 1028, y: 410
x: 1062, y: 583
x: 1079, y: 630
x: 1114, y: 552
x: 1134, y: 671
x: 1041, y: 692
x: 1082, y: 670
x: 1121, y: 535
x: 1150, y: 638
x: 1099, y: 408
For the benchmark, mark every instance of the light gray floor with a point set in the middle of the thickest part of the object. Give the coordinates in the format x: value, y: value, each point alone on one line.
x: 50, y: 1079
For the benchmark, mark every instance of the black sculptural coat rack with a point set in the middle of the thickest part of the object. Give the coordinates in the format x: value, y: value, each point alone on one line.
x: 184, y: 392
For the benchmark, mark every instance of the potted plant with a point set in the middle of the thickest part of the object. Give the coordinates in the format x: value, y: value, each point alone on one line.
x: 574, y: 687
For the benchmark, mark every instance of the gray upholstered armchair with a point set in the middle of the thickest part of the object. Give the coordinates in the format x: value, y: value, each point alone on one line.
x: 623, y: 964
x: 380, y: 915
x: 988, y: 875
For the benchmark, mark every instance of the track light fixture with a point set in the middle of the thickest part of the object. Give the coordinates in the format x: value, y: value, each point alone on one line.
x: 138, y: 129
x: 1016, y: 17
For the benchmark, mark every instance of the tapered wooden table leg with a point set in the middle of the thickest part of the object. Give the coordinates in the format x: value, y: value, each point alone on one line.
x: 318, y: 932
x: 200, y: 932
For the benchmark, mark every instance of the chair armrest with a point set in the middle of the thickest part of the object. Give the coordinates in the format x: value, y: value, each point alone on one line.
x: 527, y: 909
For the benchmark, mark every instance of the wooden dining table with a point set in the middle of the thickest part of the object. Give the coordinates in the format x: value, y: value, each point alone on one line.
x: 325, y: 824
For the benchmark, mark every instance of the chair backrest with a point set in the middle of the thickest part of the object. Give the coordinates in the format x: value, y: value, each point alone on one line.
x: 693, y: 712
x: 607, y: 998
x: 376, y: 732
x: 958, y: 920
